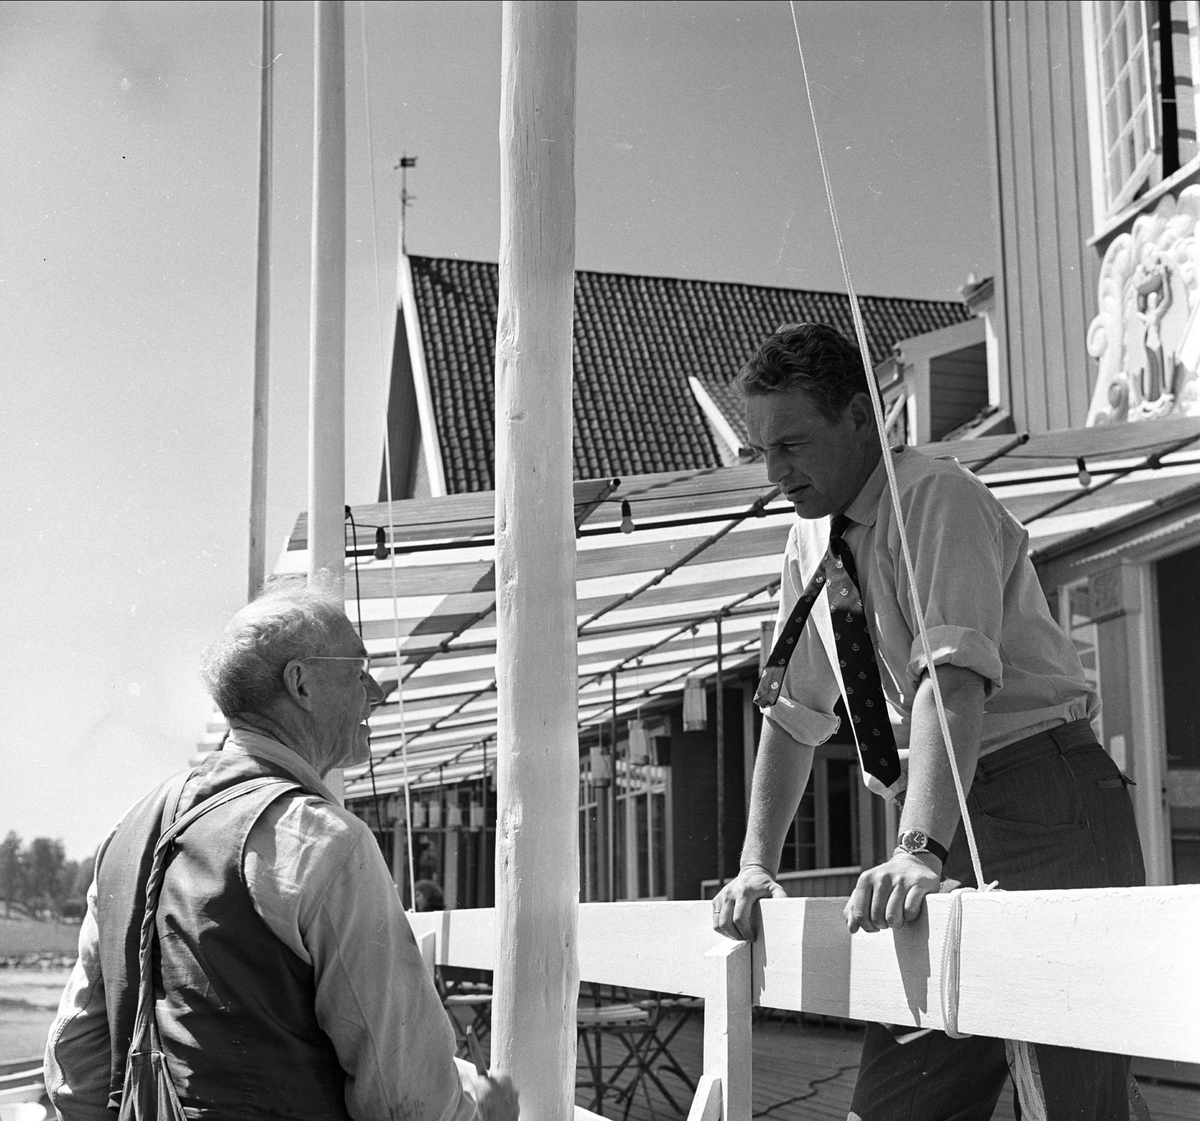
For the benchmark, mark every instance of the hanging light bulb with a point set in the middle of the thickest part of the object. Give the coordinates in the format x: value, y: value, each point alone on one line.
x: 1085, y: 478
x: 695, y: 705
x: 381, y: 552
x: 639, y: 742
x: 626, y: 516
x: 600, y: 767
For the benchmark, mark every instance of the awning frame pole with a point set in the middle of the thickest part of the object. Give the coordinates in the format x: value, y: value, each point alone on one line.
x: 612, y: 799
x: 720, y: 759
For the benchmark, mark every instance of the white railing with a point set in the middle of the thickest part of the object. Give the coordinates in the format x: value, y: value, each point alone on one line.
x: 1112, y: 969
x: 811, y: 882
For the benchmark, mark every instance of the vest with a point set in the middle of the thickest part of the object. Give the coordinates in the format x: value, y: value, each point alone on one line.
x: 235, y: 1006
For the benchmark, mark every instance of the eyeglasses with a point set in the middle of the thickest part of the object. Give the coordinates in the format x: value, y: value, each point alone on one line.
x: 364, y: 663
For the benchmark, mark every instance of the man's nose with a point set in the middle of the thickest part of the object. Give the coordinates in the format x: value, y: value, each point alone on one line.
x: 776, y: 466
x: 375, y: 692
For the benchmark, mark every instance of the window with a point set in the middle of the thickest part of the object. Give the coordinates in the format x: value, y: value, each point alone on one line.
x: 824, y: 832
x: 1071, y: 606
x: 638, y: 840
x: 593, y: 830
x: 1126, y: 110
x: 1140, y: 61
x: 641, y: 829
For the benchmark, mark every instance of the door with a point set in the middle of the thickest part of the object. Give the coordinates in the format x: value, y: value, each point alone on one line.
x: 1178, y: 580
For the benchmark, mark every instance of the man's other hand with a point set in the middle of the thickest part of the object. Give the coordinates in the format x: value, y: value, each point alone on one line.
x: 497, y: 1097
x: 890, y: 895
x: 734, y: 906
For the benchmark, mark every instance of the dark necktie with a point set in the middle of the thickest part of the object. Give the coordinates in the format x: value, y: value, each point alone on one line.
x: 856, y: 655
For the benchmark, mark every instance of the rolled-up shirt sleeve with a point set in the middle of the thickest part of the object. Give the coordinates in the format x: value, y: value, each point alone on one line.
x: 960, y: 571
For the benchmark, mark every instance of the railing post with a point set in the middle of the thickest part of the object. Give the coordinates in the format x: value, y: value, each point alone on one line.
x: 427, y: 944
x: 728, y: 1051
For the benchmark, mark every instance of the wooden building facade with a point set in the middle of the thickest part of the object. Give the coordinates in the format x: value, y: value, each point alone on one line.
x: 1093, y: 110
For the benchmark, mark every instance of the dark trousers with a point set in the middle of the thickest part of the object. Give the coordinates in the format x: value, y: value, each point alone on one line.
x: 1051, y: 811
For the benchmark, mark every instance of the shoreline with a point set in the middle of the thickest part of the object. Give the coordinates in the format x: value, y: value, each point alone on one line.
x: 39, y: 959
x: 29, y: 996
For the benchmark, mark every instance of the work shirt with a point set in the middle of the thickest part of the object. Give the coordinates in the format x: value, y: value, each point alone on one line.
x: 983, y: 608
x: 317, y: 880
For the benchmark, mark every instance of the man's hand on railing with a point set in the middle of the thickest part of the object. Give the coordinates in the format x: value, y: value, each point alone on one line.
x: 734, y: 906
x: 890, y: 895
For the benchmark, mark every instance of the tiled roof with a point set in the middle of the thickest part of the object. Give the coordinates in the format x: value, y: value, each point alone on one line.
x: 637, y: 340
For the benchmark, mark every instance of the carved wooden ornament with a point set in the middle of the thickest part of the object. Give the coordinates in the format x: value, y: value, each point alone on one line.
x: 1147, y: 335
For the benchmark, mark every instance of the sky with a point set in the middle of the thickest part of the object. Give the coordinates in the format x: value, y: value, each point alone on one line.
x: 127, y: 265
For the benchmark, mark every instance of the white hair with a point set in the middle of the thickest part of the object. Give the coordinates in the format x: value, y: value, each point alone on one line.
x: 290, y: 620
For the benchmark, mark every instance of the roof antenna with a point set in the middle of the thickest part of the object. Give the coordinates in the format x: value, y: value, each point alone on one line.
x: 406, y: 200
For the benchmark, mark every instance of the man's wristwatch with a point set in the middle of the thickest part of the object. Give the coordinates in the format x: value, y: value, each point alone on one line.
x: 917, y: 840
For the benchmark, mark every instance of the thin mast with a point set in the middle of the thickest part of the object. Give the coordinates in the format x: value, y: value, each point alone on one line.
x: 262, y: 316
x: 327, y: 351
x: 537, y: 863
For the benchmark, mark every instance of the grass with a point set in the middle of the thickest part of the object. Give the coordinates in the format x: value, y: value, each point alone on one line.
x: 21, y: 936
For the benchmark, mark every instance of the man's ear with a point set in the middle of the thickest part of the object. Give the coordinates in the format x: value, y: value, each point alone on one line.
x: 295, y: 681
x: 861, y: 413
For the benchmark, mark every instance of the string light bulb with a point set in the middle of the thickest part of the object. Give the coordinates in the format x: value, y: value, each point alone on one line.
x: 626, y: 516
x: 381, y: 552
x: 1085, y: 478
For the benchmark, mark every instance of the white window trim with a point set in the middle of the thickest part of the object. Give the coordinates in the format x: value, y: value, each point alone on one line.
x: 1104, y: 210
x: 1094, y: 108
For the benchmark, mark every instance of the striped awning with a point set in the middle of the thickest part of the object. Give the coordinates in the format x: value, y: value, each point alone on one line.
x: 704, y: 551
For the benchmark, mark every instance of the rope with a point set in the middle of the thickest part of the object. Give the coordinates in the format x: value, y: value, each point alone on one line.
x: 877, y: 408
x: 951, y: 945
x: 387, y: 472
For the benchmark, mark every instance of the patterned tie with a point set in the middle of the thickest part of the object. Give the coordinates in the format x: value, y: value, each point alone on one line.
x: 870, y: 725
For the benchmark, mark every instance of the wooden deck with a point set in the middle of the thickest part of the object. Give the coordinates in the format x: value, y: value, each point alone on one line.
x: 806, y: 1072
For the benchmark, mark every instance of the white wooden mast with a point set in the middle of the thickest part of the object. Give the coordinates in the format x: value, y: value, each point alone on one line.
x: 327, y: 350
x: 537, y: 864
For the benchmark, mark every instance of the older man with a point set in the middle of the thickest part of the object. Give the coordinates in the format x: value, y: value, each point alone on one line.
x: 1049, y: 807
x: 290, y: 984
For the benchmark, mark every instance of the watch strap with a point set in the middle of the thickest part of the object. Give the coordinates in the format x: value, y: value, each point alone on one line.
x: 930, y: 846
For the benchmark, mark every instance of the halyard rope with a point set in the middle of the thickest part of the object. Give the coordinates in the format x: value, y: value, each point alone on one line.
x: 387, y: 464
x: 949, y: 988
x: 877, y: 407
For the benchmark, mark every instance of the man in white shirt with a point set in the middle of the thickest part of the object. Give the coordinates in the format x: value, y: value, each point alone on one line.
x: 1049, y: 808
x: 289, y: 981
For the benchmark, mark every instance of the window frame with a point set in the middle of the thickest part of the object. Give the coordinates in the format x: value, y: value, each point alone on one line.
x: 1109, y: 216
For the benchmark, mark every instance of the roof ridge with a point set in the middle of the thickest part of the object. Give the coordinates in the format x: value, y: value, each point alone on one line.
x: 709, y: 283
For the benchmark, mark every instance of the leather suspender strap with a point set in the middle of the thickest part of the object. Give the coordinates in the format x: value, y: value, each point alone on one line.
x: 145, y: 1025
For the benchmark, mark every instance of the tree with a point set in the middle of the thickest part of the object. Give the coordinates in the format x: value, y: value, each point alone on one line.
x: 44, y: 863
x: 76, y: 879
x: 10, y: 872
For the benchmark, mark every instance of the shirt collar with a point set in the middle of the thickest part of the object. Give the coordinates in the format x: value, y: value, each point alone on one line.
x: 273, y: 751
x: 864, y: 509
